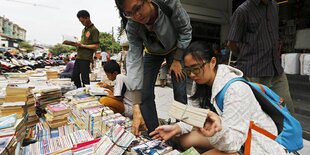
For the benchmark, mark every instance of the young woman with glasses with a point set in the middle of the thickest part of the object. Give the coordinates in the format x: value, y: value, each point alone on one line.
x: 224, y: 132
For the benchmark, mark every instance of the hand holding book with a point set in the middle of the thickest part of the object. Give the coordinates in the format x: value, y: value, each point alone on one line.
x: 71, y: 43
x: 212, y: 125
x: 191, y: 115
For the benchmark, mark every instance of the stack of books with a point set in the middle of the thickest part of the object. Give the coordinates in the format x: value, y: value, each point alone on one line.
x: 15, y: 78
x: 68, y: 143
x: 115, y: 141
x: 94, y: 122
x: 188, y: 114
x: 12, y: 131
x: 31, y: 111
x: 17, y: 93
x: 109, y: 121
x: 45, y: 95
x: 9, y: 108
x: 57, y: 115
x: 38, y: 79
x: 3, y: 85
x: 64, y: 83
x: 51, y: 74
x: 7, y: 145
x: 80, y: 113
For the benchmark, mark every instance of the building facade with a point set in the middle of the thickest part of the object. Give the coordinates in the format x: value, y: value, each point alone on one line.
x: 10, y: 33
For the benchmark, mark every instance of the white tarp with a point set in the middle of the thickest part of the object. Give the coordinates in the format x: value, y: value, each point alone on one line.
x: 290, y: 63
x: 305, y: 64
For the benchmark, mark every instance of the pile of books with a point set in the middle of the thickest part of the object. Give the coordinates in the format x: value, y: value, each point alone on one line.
x: 109, y: 121
x: 12, y: 131
x: 188, y: 114
x: 64, y: 83
x: 72, y: 142
x: 80, y: 109
x: 17, y: 93
x: 57, y: 115
x: 37, y: 79
x: 14, y: 78
x: 3, y: 85
x: 7, y: 145
x: 115, y: 141
x: 45, y: 95
x: 9, y: 108
x: 51, y: 74
x: 32, y: 118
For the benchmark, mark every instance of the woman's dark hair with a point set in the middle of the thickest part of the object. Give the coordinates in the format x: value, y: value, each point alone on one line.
x: 82, y: 13
x: 201, y: 52
x: 111, y: 67
x: 120, y: 5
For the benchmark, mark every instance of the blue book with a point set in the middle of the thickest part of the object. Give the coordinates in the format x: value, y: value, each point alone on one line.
x: 54, y: 133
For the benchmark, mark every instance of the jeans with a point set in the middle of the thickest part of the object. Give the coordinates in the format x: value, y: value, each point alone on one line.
x: 152, y: 65
x: 66, y: 75
x: 279, y: 85
x: 81, y: 67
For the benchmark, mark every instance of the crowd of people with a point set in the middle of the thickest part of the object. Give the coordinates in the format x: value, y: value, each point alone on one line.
x: 159, y: 37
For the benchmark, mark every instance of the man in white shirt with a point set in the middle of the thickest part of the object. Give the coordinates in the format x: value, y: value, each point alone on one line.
x: 119, y: 99
x: 104, y: 57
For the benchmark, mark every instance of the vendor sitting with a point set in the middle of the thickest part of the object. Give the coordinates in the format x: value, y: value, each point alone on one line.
x: 118, y: 99
x: 67, y: 73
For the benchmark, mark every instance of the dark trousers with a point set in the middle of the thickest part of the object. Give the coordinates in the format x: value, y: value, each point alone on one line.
x: 152, y: 64
x: 81, y: 67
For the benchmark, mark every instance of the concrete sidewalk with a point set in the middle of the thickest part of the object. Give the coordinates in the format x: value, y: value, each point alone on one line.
x: 164, y: 97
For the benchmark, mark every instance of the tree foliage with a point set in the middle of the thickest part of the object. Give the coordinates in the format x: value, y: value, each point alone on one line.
x: 25, y: 45
x: 60, y: 48
x: 108, y: 42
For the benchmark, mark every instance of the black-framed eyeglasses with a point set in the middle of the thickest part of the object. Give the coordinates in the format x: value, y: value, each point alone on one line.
x: 194, y: 69
x: 137, y: 8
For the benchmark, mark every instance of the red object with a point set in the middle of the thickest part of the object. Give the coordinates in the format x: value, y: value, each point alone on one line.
x: 85, y: 144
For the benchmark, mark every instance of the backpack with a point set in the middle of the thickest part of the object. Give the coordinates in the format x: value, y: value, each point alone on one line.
x: 289, y: 129
x: 161, y: 4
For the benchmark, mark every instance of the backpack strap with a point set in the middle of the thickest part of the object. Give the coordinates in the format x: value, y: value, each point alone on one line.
x: 164, y: 7
x: 220, y: 96
x: 247, y: 145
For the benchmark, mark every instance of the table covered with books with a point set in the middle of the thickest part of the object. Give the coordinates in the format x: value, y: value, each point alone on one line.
x: 50, y: 116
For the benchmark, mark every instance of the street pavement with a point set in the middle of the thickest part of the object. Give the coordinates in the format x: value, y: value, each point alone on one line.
x: 164, y: 97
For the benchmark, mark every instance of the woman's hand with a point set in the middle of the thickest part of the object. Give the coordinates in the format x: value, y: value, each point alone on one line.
x: 176, y: 67
x: 165, y: 132
x: 213, y: 125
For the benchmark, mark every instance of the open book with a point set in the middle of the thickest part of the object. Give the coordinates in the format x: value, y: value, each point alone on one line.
x: 70, y: 40
x: 188, y: 114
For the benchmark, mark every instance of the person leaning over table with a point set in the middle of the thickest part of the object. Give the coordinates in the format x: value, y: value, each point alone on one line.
x: 225, y: 132
x: 164, y: 38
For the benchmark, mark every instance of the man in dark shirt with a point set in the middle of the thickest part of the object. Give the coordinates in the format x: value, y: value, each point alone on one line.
x: 67, y: 73
x: 85, y: 49
x: 253, y: 38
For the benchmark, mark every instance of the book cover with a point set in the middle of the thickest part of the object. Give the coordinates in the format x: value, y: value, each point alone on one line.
x: 154, y: 147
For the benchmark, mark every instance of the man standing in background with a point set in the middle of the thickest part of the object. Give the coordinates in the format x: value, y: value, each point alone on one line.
x: 253, y: 38
x: 85, y: 49
x: 104, y: 56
